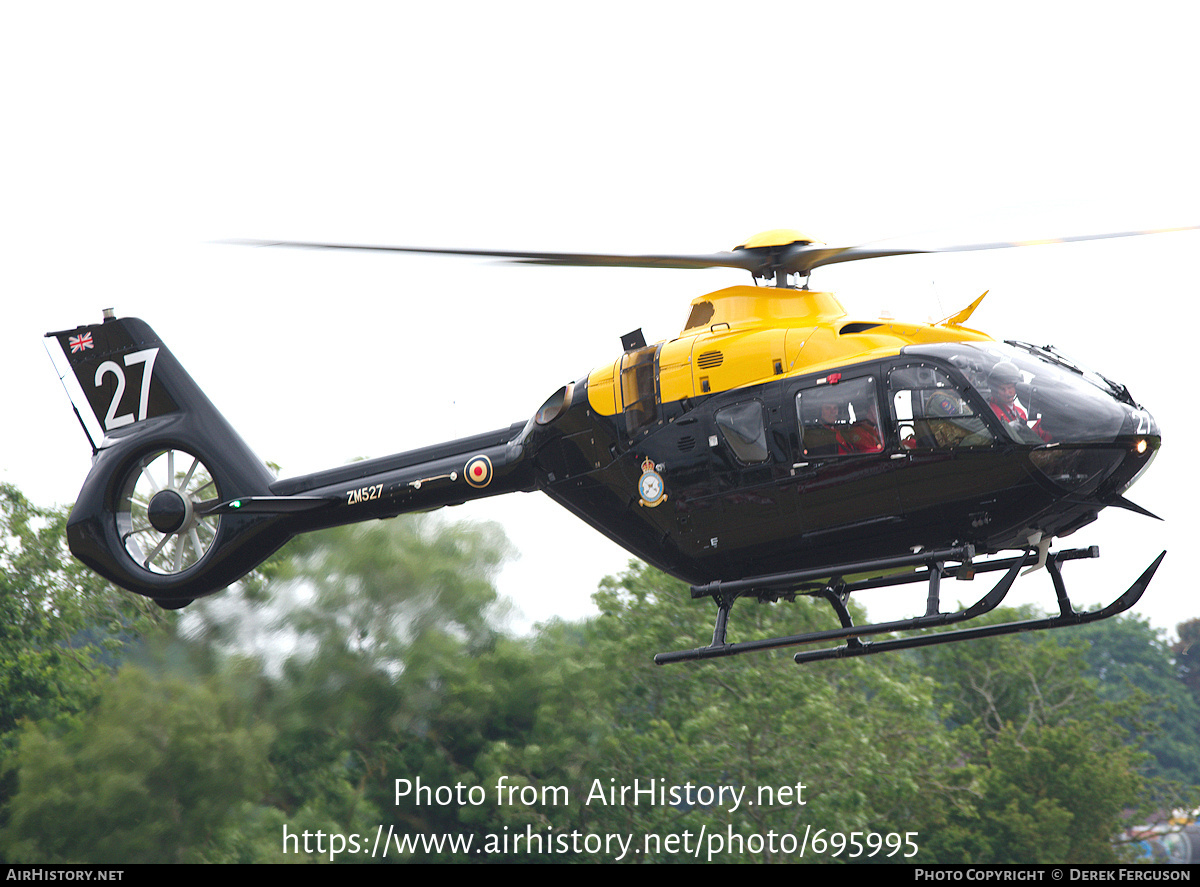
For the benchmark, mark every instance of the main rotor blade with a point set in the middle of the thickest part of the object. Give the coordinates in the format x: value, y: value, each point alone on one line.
x: 803, y: 259
x: 747, y: 261
x: 796, y: 258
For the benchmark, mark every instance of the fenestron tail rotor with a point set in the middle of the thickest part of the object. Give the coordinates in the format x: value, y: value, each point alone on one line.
x: 161, y: 515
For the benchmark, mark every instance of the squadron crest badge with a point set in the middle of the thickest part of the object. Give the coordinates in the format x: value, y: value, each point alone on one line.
x: 650, y: 485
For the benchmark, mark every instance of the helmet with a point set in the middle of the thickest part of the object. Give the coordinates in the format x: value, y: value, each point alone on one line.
x: 1004, y: 373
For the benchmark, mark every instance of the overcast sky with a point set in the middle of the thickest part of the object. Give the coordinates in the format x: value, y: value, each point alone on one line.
x: 138, y: 136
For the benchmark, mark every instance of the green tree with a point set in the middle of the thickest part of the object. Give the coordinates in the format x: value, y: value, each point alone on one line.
x: 1056, y: 765
x: 398, y: 670
x: 152, y: 774
x: 1055, y: 793
x: 1131, y: 661
x: 62, y: 628
x: 204, y: 754
x: 386, y: 662
x: 862, y: 738
x: 59, y: 623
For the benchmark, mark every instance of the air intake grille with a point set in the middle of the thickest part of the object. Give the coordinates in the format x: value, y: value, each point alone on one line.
x: 709, y: 359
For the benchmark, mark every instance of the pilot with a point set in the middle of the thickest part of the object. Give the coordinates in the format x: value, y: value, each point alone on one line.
x: 1002, y: 381
x: 950, y: 419
x: 947, y: 403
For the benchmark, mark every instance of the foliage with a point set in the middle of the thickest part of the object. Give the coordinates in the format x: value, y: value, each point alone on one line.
x: 863, y: 742
x: 59, y: 623
x: 1055, y: 793
x: 62, y: 628
x: 1058, y: 764
x: 376, y: 656
x: 397, y: 670
x: 1131, y: 662
x: 153, y: 774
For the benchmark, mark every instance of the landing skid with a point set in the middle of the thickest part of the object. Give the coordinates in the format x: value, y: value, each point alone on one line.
x: 829, y: 583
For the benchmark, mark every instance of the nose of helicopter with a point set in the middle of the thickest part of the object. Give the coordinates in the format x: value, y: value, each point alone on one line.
x: 1102, y: 470
x: 1142, y: 438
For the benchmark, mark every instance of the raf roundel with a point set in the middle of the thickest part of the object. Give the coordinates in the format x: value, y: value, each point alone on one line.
x: 478, y: 471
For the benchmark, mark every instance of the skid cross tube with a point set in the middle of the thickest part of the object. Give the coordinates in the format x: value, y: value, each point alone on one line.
x: 837, y: 592
x: 785, y: 583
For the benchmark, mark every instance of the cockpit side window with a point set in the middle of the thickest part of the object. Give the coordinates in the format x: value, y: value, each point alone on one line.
x: 743, y: 428
x: 1037, y: 395
x: 839, y: 419
x: 930, y: 413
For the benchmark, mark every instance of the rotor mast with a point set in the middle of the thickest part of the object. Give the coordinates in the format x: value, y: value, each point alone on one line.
x: 774, y: 248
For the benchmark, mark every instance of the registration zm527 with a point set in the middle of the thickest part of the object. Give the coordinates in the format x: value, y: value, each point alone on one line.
x: 364, y: 494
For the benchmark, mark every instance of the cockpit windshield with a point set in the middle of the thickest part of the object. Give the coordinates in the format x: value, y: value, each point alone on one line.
x: 1040, y: 396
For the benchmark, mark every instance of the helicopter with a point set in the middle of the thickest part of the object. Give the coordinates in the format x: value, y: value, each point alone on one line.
x: 777, y: 447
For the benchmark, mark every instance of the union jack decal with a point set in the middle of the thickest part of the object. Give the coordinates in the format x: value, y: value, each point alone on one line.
x: 80, y: 343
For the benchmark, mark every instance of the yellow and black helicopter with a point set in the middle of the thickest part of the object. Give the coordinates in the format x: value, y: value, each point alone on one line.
x: 777, y: 446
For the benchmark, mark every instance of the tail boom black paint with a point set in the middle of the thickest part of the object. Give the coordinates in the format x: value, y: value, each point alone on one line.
x: 177, y: 506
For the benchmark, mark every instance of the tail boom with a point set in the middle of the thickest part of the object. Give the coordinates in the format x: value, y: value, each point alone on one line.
x: 177, y: 506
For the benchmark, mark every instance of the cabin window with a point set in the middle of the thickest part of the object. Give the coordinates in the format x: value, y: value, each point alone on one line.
x: 930, y: 413
x: 638, y: 389
x: 700, y: 315
x: 840, y: 418
x: 744, y: 430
